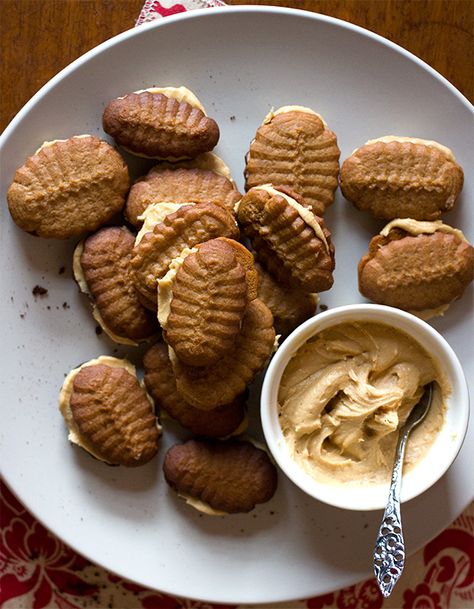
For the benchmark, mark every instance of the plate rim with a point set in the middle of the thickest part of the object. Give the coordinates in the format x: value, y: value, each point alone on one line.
x: 164, y: 22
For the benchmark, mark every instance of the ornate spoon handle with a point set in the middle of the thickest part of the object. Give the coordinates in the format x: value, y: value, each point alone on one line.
x: 389, y: 553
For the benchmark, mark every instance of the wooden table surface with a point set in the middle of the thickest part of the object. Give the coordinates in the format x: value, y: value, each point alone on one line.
x: 39, y: 37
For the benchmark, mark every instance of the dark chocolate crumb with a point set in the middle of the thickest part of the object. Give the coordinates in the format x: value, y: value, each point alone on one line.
x: 22, y: 315
x: 271, y: 512
x: 98, y: 330
x: 323, y: 307
x: 115, y: 350
x: 38, y: 290
x: 366, y: 525
x: 65, y: 305
x: 232, y: 118
x: 61, y: 270
x: 49, y: 308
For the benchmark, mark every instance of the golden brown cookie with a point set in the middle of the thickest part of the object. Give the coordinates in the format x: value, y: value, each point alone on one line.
x: 295, y: 148
x: 161, y: 385
x: 209, y: 387
x: 179, y: 185
x: 68, y: 187
x: 288, y: 239
x: 207, y: 302
x: 187, y: 227
x: 221, y: 477
x: 401, y: 177
x: 158, y: 126
x: 417, y: 266
x: 102, y: 271
x: 109, y: 413
x: 290, y: 307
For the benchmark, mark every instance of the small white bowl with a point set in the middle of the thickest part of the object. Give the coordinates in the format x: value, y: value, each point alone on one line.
x: 444, y: 448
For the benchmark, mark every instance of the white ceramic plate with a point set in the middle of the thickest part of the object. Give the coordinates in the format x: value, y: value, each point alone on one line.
x: 240, y: 62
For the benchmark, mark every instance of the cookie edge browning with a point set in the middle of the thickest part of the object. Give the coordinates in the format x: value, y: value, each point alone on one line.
x: 16, y: 190
x: 429, y: 309
x: 359, y: 202
x: 299, y: 212
x: 81, y: 280
x: 219, y: 509
x: 75, y: 436
x: 145, y: 248
x: 188, y: 377
x: 114, y: 125
x: 199, y: 423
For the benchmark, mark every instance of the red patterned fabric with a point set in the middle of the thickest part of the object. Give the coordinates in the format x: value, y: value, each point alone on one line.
x: 37, y: 571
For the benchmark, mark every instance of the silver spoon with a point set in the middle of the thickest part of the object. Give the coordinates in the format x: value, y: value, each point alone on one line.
x: 389, y: 552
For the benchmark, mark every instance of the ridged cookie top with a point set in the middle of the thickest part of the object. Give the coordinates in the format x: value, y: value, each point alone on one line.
x: 289, y: 306
x: 212, y: 386
x: 179, y: 185
x: 401, y: 179
x: 161, y: 385
x: 113, y: 412
x: 297, y: 150
x: 208, y: 303
x: 105, y: 264
x: 285, y: 244
x: 158, y: 126
x: 416, y: 273
x: 231, y: 476
x: 187, y: 227
x: 68, y: 187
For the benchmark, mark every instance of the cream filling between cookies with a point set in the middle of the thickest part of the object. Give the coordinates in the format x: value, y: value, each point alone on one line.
x: 82, y: 283
x: 165, y: 286
x: 305, y: 213
x: 291, y: 108
x: 154, y: 214
x: 386, y: 139
x: 52, y: 142
x: 181, y: 94
x: 420, y: 227
x: 205, y: 508
x: 75, y: 436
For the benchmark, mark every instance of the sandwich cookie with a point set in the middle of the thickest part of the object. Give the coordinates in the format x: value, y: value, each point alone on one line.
x: 102, y: 271
x: 295, y: 148
x: 203, y: 297
x: 68, y: 187
x: 185, y: 228
x: 160, y: 381
x: 161, y: 124
x: 205, y: 179
x: 402, y: 177
x: 207, y: 387
x: 418, y: 266
x: 220, y: 477
x: 289, y: 241
x: 109, y: 413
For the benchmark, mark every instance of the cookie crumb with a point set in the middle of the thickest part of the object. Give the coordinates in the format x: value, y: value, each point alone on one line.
x: 98, y: 330
x: 22, y: 315
x: 323, y: 307
x: 232, y: 118
x: 49, y: 308
x: 38, y: 290
x: 61, y: 270
x: 66, y: 306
